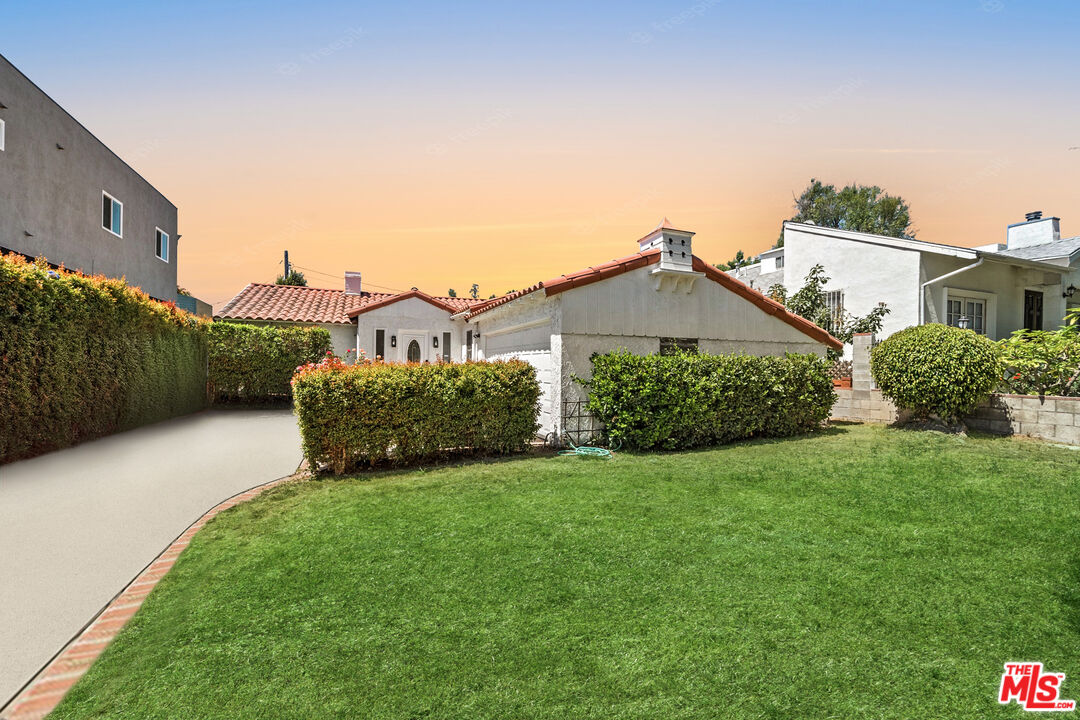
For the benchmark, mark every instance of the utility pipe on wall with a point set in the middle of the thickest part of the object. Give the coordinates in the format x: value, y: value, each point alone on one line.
x: 939, y: 278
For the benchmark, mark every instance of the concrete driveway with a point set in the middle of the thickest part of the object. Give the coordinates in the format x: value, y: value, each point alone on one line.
x: 77, y: 525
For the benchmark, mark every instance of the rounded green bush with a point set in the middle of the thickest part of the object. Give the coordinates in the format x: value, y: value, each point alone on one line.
x: 936, y: 370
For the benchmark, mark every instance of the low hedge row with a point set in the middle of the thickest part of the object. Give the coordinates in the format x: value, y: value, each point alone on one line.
x: 84, y: 357
x: 693, y: 400
x: 254, y: 363
x: 373, y: 412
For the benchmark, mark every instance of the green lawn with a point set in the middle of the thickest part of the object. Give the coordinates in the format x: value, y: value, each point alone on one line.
x: 861, y: 573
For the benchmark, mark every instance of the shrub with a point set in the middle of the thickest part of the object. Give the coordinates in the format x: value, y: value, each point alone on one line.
x: 692, y: 400
x: 936, y: 370
x: 84, y: 357
x: 1042, y: 363
x: 373, y: 412
x: 254, y: 363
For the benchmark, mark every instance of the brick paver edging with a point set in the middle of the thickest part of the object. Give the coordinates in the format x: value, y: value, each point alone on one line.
x: 42, y: 694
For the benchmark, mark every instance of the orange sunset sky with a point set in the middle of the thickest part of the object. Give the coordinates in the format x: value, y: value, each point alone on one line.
x: 436, y: 146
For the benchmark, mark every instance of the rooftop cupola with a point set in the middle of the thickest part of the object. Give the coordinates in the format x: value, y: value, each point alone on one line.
x: 675, y: 246
x: 676, y: 267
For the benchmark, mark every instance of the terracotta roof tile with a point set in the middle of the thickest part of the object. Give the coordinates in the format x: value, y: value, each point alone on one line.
x: 293, y: 303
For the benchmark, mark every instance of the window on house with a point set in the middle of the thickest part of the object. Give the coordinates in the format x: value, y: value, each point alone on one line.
x: 446, y: 347
x: 1033, y: 310
x: 834, y: 301
x: 779, y: 261
x: 3, y: 127
x: 671, y: 346
x: 380, y: 344
x: 161, y: 239
x: 112, y: 214
x: 971, y: 311
x: 468, y: 345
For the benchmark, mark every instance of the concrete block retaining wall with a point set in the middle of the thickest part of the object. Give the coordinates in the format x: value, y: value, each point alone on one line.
x: 1048, y: 418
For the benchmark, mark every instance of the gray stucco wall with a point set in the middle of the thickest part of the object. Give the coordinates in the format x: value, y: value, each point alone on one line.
x: 56, y: 195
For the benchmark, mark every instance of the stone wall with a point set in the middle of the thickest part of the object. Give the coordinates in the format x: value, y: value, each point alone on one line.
x: 1049, y: 418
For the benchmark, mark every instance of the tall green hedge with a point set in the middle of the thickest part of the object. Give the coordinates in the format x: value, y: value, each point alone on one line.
x: 254, y: 363
x: 82, y: 357
x: 694, y: 400
x: 406, y: 413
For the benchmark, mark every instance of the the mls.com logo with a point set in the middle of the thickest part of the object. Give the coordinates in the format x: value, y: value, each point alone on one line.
x: 1032, y: 689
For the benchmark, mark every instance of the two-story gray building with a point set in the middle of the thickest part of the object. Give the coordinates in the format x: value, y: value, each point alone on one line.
x: 67, y: 197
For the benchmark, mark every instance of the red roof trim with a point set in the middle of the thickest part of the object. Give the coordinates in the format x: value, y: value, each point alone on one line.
x: 418, y: 294
x: 767, y: 304
x: 602, y: 272
x: 650, y: 257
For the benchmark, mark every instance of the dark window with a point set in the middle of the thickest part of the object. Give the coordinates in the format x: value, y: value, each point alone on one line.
x: 414, y: 351
x: 380, y: 344
x: 106, y: 212
x: 468, y: 345
x: 671, y: 346
x: 446, y: 347
x: 1033, y: 310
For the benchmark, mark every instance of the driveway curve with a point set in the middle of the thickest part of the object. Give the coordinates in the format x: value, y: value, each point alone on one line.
x: 77, y: 525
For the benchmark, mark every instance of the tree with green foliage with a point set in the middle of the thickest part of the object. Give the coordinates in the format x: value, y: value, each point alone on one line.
x: 474, y: 291
x: 295, y: 277
x: 862, y: 208
x: 811, y: 302
x: 740, y: 260
x: 451, y: 292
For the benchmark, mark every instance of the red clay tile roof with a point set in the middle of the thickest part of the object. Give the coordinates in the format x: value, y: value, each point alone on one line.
x: 643, y: 259
x: 293, y: 303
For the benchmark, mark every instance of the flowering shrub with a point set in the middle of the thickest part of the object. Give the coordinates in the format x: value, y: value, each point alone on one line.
x: 693, y: 400
x: 1042, y: 363
x: 372, y: 412
x: 254, y: 363
x: 329, y: 362
x: 82, y: 357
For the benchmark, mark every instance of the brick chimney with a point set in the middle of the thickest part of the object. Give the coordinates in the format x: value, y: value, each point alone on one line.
x: 352, y: 282
x: 1035, y: 230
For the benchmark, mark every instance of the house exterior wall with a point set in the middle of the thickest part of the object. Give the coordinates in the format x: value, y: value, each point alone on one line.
x: 559, y: 334
x: 56, y: 195
x: 1001, y: 286
x: 405, y: 318
x: 867, y: 273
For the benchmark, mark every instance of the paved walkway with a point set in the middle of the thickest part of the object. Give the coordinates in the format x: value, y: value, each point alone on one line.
x: 78, y: 524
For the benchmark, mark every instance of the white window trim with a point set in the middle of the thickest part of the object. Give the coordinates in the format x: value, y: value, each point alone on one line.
x: 164, y: 246
x: 121, y: 233
x: 3, y: 135
x: 991, y: 306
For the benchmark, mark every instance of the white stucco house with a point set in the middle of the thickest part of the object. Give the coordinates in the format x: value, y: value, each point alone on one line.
x: 658, y: 298
x: 1026, y: 282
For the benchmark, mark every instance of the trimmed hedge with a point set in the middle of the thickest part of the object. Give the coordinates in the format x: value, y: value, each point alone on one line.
x: 690, y: 400
x: 936, y: 370
x: 254, y: 363
x: 83, y: 357
x: 375, y: 412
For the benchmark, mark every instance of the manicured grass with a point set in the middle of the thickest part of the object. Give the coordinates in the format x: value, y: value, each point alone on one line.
x: 860, y: 573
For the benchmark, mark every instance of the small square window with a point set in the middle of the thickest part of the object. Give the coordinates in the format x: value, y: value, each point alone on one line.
x: 112, y: 214
x: 162, y: 244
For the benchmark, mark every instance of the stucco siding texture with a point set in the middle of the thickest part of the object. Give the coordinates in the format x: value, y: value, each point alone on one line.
x: 53, y: 174
x: 406, y: 320
x: 867, y: 274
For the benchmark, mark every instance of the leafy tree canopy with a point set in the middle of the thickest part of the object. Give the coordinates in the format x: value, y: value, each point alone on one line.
x: 295, y: 277
x: 451, y: 292
x: 740, y: 260
x: 862, y: 208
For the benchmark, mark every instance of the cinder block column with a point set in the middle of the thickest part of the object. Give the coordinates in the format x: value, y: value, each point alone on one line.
x: 860, y: 361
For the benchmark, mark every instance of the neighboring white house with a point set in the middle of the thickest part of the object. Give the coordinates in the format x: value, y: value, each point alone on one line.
x: 1027, y: 282
x: 661, y: 297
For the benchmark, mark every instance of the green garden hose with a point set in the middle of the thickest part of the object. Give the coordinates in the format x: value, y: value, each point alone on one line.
x: 586, y: 451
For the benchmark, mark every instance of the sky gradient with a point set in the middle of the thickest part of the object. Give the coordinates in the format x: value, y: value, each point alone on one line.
x: 437, y: 145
